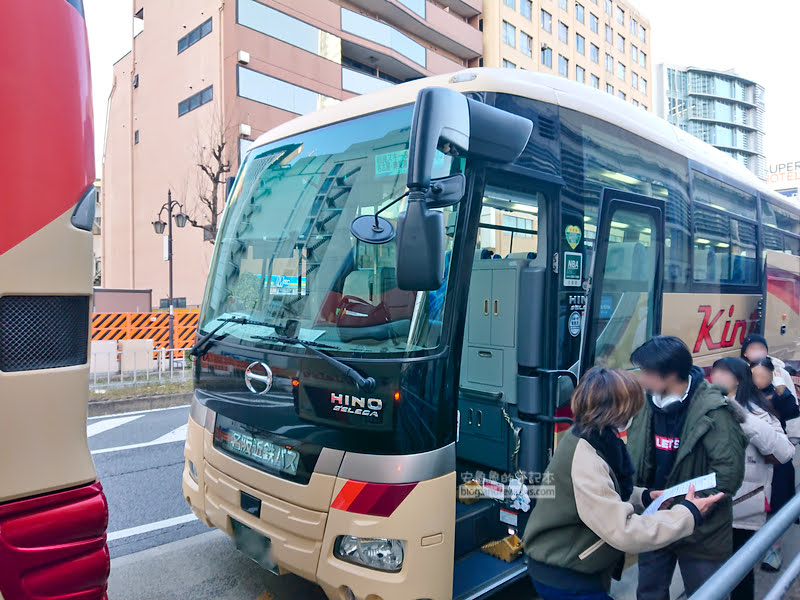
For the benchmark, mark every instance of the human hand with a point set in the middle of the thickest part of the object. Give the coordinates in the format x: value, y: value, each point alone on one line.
x: 703, y: 504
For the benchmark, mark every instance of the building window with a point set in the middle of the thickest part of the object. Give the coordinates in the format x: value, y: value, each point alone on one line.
x: 196, y: 101
x: 608, y: 7
x: 563, y: 66
x: 620, y: 43
x: 357, y: 24
x: 507, y: 64
x: 634, y: 80
x: 562, y: 4
x: 609, y: 88
x: 580, y: 74
x: 643, y: 59
x: 510, y: 3
x: 609, y: 34
x: 609, y: 63
x: 547, y: 57
x: 579, y: 14
x: 621, y: 71
x: 278, y: 93
x: 594, y: 23
x: 526, y: 8
x: 580, y: 43
x: 634, y: 53
x: 563, y: 32
x: 547, y: 21
x: 194, y: 36
x: 634, y: 27
x: 509, y: 34
x: 635, y: 102
x: 621, y: 95
x: 136, y: 137
x: 620, y: 16
x: 643, y: 85
x: 594, y: 53
x: 595, y: 81
x: 642, y: 34
x: 525, y: 43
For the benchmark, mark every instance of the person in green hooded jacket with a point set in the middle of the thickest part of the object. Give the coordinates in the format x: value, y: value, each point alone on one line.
x: 686, y: 429
x: 576, y: 538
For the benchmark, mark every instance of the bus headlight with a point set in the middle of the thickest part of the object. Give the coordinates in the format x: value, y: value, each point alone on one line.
x: 375, y: 553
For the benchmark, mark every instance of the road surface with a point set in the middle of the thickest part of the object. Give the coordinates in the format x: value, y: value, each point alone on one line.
x: 160, y: 551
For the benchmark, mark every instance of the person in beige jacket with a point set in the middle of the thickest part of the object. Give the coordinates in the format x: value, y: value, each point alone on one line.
x: 768, y: 445
x: 577, y: 538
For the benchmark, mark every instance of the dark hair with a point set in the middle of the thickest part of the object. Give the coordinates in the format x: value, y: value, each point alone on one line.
x: 753, y: 338
x: 766, y: 363
x: 606, y: 398
x: 665, y: 354
x: 747, y: 394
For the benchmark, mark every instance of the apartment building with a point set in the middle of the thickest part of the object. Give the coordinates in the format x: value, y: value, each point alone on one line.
x: 719, y: 107
x: 206, y: 77
x: 602, y: 43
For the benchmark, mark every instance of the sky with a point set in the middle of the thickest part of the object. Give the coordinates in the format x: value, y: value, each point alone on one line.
x: 758, y: 39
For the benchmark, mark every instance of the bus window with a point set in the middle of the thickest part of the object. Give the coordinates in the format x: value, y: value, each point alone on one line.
x: 784, y: 219
x: 628, y: 288
x: 772, y: 238
x: 791, y: 245
x: 509, y: 225
x: 724, y: 249
x: 723, y: 196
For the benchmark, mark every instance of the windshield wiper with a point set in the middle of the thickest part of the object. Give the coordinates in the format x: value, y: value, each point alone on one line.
x: 203, y: 345
x: 366, y: 384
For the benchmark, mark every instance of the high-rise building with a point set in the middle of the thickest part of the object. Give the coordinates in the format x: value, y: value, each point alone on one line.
x: 602, y: 43
x: 719, y: 107
x: 206, y: 77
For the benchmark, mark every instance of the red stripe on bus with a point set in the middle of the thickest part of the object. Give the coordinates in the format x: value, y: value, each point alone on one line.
x: 784, y: 286
x: 47, y: 154
x: 375, y: 499
x: 347, y: 494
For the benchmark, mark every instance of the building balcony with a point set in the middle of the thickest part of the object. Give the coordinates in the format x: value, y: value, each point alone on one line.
x: 724, y: 122
x: 361, y: 83
x: 445, y: 29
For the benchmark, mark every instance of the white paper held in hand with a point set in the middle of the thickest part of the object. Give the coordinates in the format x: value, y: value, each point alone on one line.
x: 706, y: 482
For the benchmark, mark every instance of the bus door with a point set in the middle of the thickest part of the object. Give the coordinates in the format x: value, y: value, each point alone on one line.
x: 624, y: 300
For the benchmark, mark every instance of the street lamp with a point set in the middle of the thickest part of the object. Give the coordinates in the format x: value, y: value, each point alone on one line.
x: 159, y: 225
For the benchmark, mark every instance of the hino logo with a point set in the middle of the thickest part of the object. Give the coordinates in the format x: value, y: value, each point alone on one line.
x: 357, y: 405
x: 258, y: 378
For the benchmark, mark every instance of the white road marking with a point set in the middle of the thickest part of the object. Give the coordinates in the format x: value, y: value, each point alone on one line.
x: 176, y: 435
x: 148, y: 527
x: 101, y: 426
x: 141, y: 412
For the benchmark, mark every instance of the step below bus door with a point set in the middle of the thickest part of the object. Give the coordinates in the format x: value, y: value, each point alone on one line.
x: 624, y: 298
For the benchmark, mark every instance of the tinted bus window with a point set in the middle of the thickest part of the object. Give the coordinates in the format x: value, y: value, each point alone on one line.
x: 724, y: 249
x: 781, y: 217
x: 723, y: 196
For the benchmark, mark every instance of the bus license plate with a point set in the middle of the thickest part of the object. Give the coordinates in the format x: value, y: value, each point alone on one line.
x: 253, y: 545
x: 256, y: 449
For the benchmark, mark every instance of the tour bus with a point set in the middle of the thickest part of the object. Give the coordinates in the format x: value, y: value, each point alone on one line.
x: 53, y: 514
x: 404, y: 290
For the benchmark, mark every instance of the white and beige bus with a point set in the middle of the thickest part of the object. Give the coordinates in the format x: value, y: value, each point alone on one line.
x: 397, y: 303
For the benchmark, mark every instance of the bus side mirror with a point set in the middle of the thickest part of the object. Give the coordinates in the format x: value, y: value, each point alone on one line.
x: 448, y: 121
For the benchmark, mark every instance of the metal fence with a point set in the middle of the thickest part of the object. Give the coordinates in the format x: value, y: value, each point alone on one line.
x: 734, y: 570
x: 126, y: 368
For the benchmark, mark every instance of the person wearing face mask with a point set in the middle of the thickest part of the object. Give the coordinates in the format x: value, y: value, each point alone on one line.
x: 577, y: 538
x: 768, y: 446
x: 754, y: 349
x: 686, y: 429
x: 783, y: 476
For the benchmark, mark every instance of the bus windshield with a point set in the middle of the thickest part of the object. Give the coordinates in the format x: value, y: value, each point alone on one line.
x: 285, y: 256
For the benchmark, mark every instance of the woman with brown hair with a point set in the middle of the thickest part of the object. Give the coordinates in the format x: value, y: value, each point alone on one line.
x: 576, y: 540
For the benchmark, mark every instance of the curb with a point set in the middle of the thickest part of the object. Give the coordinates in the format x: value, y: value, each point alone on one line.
x: 123, y: 405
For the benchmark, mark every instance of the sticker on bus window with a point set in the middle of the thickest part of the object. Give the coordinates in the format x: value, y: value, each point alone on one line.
x: 574, y: 324
x: 573, y: 269
x: 396, y: 163
x: 573, y: 234
x: 606, y: 307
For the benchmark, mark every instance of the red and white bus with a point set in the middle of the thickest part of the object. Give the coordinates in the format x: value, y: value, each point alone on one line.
x: 53, y: 514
